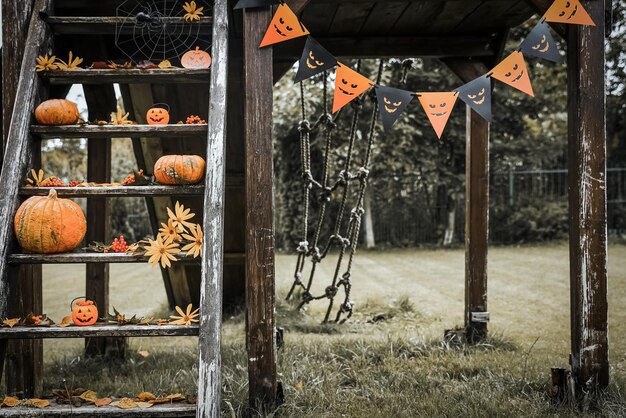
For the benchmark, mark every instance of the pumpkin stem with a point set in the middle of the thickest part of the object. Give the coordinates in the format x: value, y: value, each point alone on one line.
x: 52, y: 194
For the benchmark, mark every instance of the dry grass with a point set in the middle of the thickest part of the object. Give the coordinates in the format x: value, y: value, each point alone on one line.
x: 395, y: 367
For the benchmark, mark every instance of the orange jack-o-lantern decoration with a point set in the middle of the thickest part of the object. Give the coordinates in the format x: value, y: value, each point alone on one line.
x: 196, y: 59
x: 84, y: 313
x: 158, y: 115
x: 284, y: 26
x: 438, y: 107
x: 512, y: 71
x: 568, y: 11
x: 348, y: 86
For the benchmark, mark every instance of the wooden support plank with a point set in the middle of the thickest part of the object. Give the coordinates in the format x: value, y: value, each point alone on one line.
x: 119, y: 191
x: 119, y: 131
x: 166, y: 76
x: 209, y: 362
x: 587, y: 200
x: 99, y: 331
x: 91, y: 411
x: 107, y: 25
x: 81, y: 258
x: 260, y: 214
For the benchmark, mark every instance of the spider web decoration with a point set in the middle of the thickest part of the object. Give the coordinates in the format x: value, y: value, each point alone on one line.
x: 155, y: 30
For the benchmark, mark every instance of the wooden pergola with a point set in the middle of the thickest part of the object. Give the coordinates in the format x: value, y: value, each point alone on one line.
x: 469, y: 37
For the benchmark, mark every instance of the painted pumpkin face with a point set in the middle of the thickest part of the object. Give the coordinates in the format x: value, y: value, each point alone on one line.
x: 285, y: 25
x: 512, y: 71
x: 84, y: 313
x: 478, y: 98
x: 392, y: 103
x: 348, y: 86
x: 312, y: 63
x: 438, y: 107
x: 568, y: 11
x: 196, y: 59
x: 477, y: 95
x: 390, y: 106
x: 157, y: 116
x: 543, y: 46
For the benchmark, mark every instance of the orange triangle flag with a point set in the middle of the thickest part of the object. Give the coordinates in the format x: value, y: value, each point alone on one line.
x: 568, y: 11
x: 438, y: 107
x: 348, y: 86
x: 284, y: 26
x: 512, y: 71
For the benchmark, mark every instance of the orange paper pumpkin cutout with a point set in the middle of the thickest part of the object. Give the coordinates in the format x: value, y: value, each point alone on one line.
x: 284, y: 26
x: 568, y: 11
x: 512, y: 71
x: 348, y: 86
x: 438, y: 107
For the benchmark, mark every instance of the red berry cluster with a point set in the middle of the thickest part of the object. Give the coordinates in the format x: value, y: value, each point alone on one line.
x: 118, y: 246
x: 194, y: 120
x: 75, y: 183
x: 52, y: 182
x: 130, y: 179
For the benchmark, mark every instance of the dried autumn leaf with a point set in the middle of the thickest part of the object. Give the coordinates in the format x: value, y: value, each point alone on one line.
x: 103, y: 402
x: 159, y: 401
x: 165, y: 64
x: 146, y: 321
x: 120, y: 118
x: 11, y: 322
x: 99, y: 65
x: 146, y: 396
x: 125, y: 403
x: 144, y: 405
x: 66, y: 321
x: 144, y: 353
x: 176, y: 397
x: 10, y: 401
x: 71, y: 64
x: 45, y: 63
x: 146, y: 65
x: 36, y: 402
x: 89, y: 396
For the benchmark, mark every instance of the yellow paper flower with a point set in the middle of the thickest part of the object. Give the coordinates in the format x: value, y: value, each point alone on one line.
x: 120, y: 118
x: 195, y: 247
x: 161, y: 252
x: 45, y: 63
x: 180, y: 216
x: 169, y: 232
x: 71, y: 64
x: 193, y: 11
x: 185, y: 318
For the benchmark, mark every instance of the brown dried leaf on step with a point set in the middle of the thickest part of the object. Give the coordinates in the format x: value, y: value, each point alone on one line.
x: 193, y: 399
x: 11, y: 322
x: 36, y: 402
x: 66, y: 321
x: 158, y: 401
x: 10, y: 401
x: 103, y: 402
x: 146, y: 396
x: 125, y: 403
x: 89, y: 396
x: 146, y: 65
x: 144, y: 405
x: 176, y: 397
x: 99, y: 65
x: 165, y: 64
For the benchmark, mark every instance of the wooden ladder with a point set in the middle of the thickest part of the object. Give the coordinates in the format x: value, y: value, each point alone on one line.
x: 23, y: 148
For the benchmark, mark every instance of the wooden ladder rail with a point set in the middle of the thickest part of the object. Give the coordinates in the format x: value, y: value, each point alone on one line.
x: 18, y: 152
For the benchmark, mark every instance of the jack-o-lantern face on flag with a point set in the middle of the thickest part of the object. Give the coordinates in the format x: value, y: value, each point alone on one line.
x: 438, y: 108
x: 348, y: 86
x: 512, y: 71
x: 540, y: 43
x: 477, y: 95
x: 392, y: 103
x: 284, y: 26
x: 315, y: 59
x: 568, y: 11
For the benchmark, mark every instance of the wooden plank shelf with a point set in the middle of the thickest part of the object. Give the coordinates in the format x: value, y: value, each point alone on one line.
x: 106, y: 25
x: 161, y: 75
x: 112, y: 330
x: 91, y: 411
x: 119, y: 131
x: 115, y: 191
x: 82, y: 258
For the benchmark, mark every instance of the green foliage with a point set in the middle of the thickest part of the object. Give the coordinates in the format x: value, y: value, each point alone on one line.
x: 530, y: 221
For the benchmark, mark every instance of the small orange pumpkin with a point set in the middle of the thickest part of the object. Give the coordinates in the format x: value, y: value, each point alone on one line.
x: 158, y: 116
x: 57, y: 112
x: 49, y: 224
x: 196, y: 59
x: 179, y: 169
x: 84, y: 313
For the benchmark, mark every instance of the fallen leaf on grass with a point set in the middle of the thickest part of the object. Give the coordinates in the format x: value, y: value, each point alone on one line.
x: 89, y: 396
x: 36, y: 402
x: 299, y: 385
x: 146, y: 396
x: 103, y: 402
x: 11, y: 322
x: 10, y: 401
x: 144, y: 353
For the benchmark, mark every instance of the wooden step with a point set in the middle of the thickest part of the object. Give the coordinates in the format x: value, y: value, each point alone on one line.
x: 115, y: 191
x: 82, y: 258
x: 119, y: 131
x: 165, y: 76
x: 106, y: 25
x: 112, y: 330
x: 91, y: 411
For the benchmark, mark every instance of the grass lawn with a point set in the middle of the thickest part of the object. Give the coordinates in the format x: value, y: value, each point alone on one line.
x: 396, y: 367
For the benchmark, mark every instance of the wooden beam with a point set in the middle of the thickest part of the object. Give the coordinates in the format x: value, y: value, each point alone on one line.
x: 209, y: 362
x: 99, y: 330
x: 298, y: 6
x: 260, y: 301
x: 119, y: 131
x: 167, y: 76
x: 541, y: 7
x: 587, y: 200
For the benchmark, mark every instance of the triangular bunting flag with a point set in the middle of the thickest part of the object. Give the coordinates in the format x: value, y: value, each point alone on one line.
x: 249, y: 4
x: 477, y: 95
x: 512, y: 71
x: 315, y: 59
x: 568, y: 11
x: 392, y: 103
x: 348, y: 86
x: 284, y: 26
x: 438, y: 107
x: 540, y: 43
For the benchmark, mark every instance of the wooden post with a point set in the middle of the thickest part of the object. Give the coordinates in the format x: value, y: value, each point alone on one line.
x: 587, y: 199
x: 260, y: 213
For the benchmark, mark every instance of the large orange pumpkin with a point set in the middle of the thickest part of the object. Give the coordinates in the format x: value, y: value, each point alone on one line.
x: 49, y: 224
x: 179, y: 169
x: 57, y: 112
